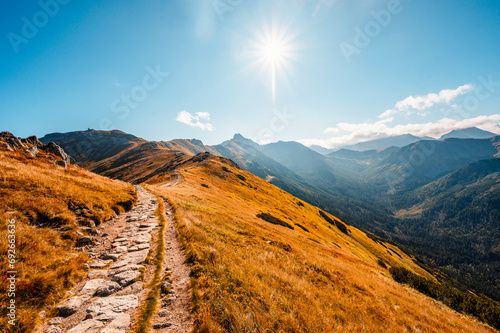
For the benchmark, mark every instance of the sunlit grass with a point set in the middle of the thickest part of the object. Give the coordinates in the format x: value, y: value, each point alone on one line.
x: 250, y: 275
x: 46, y: 201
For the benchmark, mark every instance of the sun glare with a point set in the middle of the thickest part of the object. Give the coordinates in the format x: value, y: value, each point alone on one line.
x: 273, y: 50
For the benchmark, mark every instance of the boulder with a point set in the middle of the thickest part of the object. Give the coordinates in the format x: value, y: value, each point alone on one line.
x: 107, y: 288
x: 51, y: 147
x: 109, y: 308
x: 91, y: 286
x: 125, y: 278
x: 118, y: 325
x: 85, y: 240
x: 71, y: 306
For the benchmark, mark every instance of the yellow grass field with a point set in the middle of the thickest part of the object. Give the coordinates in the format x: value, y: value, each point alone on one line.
x: 46, y: 201
x: 250, y: 275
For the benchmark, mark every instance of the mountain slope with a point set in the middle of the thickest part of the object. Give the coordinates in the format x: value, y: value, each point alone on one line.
x: 50, y: 204
x: 422, y: 162
x: 114, y: 153
x: 459, y: 213
x: 262, y: 260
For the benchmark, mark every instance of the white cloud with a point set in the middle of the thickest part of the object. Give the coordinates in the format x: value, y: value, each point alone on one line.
x: 195, y: 121
x: 418, y: 104
x: 379, y: 130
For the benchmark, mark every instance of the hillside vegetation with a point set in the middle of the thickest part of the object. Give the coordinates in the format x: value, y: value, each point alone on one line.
x: 47, y: 202
x: 265, y: 261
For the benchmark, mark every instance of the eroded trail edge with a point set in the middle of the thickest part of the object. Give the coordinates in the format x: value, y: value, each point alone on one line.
x: 173, y: 312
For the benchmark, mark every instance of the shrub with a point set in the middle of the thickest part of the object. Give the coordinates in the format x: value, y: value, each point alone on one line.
x: 274, y: 220
x: 341, y: 226
x: 302, y: 227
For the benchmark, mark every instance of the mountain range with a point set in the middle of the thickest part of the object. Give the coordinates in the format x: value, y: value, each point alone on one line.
x: 375, y: 190
x: 324, y: 216
x: 251, y: 247
x: 406, y: 139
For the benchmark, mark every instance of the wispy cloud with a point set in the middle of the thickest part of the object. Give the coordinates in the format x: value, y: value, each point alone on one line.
x: 199, y: 120
x: 380, y: 129
x: 418, y: 104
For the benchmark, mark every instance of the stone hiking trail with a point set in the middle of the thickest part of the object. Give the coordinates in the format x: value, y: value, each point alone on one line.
x: 112, y: 296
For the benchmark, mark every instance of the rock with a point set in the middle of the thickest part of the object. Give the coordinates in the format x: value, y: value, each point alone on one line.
x: 125, y: 278
x: 87, y: 326
x: 166, y: 287
x: 91, y: 286
x: 100, y: 263
x: 112, y: 256
x: 111, y: 307
x: 126, y: 268
x: 85, y: 240
x: 64, y: 164
x: 107, y: 288
x: 92, y: 231
x: 97, y: 274
x: 138, y: 247
x: 118, y: 325
x: 51, y: 147
x: 143, y: 238
x: 32, y: 151
x: 131, y: 258
x: 55, y: 321
x: 71, y: 306
x: 105, y: 234
x: 163, y: 313
x: 88, y: 223
x: 158, y: 326
x: 53, y: 329
x: 121, y: 249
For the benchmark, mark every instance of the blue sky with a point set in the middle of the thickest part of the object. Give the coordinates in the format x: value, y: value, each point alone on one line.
x: 345, y: 70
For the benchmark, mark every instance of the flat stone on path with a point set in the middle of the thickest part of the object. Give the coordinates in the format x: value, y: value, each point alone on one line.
x: 111, y: 307
x: 138, y: 247
x: 91, y: 286
x: 132, y: 267
x: 144, y: 238
x: 100, y: 263
x: 125, y: 278
x: 120, y: 249
x: 118, y: 325
x: 112, y: 256
x: 53, y: 329
x: 87, y: 326
x: 107, y: 288
x: 71, y: 306
x: 131, y: 258
x: 97, y: 274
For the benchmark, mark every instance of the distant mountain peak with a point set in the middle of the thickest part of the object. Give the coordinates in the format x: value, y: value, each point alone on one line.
x: 241, y: 139
x: 468, y: 133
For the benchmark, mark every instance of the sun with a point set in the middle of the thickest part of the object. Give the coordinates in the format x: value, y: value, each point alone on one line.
x: 274, y: 51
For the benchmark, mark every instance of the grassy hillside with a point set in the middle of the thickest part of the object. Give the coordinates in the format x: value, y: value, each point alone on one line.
x: 47, y: 201
x: 265, y: 261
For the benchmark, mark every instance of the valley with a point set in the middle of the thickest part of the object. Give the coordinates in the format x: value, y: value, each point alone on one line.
x: 226, y: 250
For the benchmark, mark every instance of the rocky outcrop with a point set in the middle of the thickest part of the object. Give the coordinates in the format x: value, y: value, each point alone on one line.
x: 33, y: 147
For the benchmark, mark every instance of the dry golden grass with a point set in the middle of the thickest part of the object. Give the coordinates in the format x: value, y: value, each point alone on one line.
x: 253, y: 276
x: 46, y: 201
